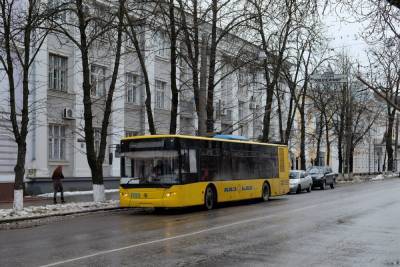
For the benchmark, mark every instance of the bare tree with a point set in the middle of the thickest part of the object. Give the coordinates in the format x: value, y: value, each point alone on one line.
x: 356, y: 111
x: 309, y: 55
x: 321, y: 95
x: 169, y: 11
x: 98, y: 25
x: 305, y: 54
x: 383, y: 77
x: 134, y: 22
x: 276, y: 23
x: 22, y: 37
x: 205, y: 26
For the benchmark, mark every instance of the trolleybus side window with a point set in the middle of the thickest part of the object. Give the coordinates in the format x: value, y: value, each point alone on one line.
x: 225, y: 162
x: 189, y: 164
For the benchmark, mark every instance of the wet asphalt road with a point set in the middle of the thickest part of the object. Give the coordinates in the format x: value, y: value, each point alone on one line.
x: 352, y: 225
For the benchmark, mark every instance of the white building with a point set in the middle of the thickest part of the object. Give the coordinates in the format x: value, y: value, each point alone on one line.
x: 56, y: 134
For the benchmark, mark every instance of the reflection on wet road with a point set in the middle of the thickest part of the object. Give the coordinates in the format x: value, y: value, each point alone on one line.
x: 355, y: 225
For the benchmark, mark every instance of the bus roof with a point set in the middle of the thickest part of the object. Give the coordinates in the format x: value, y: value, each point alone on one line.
x: 138, y: 137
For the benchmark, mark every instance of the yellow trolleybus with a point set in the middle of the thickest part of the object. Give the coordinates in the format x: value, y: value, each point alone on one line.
x: 168, y: 171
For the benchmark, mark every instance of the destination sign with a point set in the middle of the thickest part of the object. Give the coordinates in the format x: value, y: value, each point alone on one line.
x: 152, y: 144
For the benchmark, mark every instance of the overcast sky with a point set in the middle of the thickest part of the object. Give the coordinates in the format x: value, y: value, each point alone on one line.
x: 344, y: 35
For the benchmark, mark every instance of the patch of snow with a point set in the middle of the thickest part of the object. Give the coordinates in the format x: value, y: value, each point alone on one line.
x: 379, y: 177
x: 57, y: 209
x: 76, y: 193
x: 98, y: 193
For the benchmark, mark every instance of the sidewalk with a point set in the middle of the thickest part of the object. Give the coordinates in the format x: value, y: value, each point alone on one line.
x: 36, y: 207
x: 42, y: 201
x: 366, y: 178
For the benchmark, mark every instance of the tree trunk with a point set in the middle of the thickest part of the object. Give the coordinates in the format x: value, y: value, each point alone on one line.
x: 211, y: 71
x: 174, y: 89
x: 194, y: 55
x: 96, y: 159
x: 267, y: 112
x: 202, y: 114
x: 351, y: 160
x: 290, y: 118
x: 389, y: 139
x: 328, y: 144
x: 281, y: 133
x: 142, y: 62
x: 340, y: 154
x: 19, y: 171
x: 303, y: 130
x: 25, y: 61
x: 341, y: 134
x: 319, y: 138
x: 396, y: 143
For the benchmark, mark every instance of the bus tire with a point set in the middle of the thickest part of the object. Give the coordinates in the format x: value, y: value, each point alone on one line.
x: 210, y: 197
x: 265, y: 192
x: 158, y: 210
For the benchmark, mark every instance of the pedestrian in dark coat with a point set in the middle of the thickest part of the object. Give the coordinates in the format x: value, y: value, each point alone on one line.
x: 57, y: 184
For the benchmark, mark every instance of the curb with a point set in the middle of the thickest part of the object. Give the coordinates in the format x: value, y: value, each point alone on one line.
x: 57, y: 215
x: 360, y: 181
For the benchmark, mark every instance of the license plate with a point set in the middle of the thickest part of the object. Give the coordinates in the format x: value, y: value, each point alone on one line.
x: 135, y: 195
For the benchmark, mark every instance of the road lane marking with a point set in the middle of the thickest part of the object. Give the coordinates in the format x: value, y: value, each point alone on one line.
x: 104, y: 252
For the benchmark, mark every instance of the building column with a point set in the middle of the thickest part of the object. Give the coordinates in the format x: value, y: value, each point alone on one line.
x: 37, y: 149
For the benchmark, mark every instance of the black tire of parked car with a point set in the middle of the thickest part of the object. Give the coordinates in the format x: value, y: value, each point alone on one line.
x: 298, y: 191
x: 309, y: 188
x: 323, y: 185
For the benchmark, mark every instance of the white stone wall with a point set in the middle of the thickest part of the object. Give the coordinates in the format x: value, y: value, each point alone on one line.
x: 238, y: 86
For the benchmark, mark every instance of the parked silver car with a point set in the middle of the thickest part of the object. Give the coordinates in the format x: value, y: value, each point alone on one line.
x: 298, y: 181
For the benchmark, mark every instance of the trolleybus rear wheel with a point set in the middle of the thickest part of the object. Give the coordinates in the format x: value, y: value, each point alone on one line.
x: 209, y: 198
x: 265, y: 192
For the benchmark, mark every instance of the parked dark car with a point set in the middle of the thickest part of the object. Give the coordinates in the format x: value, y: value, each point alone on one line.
x: 322, y: 176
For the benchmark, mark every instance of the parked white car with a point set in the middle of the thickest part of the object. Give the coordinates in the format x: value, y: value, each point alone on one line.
x: 299, y: 181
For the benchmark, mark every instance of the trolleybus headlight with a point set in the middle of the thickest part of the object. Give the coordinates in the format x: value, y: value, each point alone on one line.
x: 170, y: 194
x: 124, y: 194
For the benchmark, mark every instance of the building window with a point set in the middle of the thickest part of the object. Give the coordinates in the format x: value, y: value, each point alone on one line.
x: 57, y: 142
x: 58, y: 67
x: 161, y: 44
x: 160, y: 94
x: 131, y: 89
x: 98, y: 80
